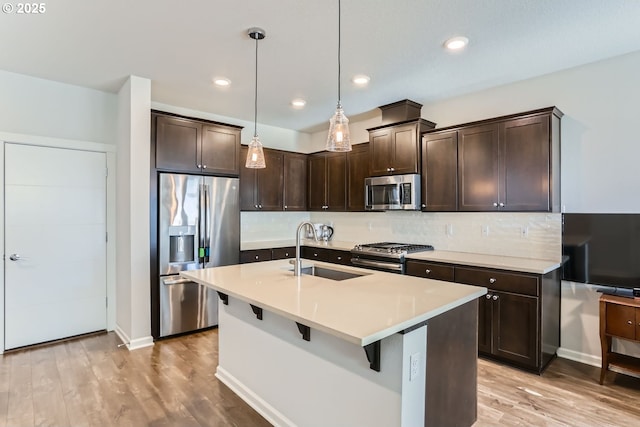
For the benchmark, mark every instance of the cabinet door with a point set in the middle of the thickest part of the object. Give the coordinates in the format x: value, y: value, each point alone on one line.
x: 440, y: 171
x: 478, y: 168
x: 484, y: 323
x: 248, y: 185
x: 270, y: 182
x: 317, y: 181
x: 336, y: 181
x: 358, y: 170
x: 220, y: 150
x: 515, y: 327
x: 525, y: 168
x: 405, y: 151
x: 177, y: 144
x: 295, y: 182
x: 380, y: 151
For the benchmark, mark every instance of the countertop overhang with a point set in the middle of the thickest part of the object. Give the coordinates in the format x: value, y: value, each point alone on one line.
x: 360, y: 310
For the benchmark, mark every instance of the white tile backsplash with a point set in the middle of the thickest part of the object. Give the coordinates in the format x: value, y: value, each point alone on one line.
x: 504, y: 235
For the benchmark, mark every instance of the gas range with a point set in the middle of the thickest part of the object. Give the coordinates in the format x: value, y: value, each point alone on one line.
x: 387, y: 256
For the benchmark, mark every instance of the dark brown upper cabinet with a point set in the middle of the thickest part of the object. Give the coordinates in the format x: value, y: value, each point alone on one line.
x: 357, y: 171
x: 509, y: 163
x: 395, y: 149
x: 193, y: 146
x: 295, y: 182
x: 327, y: 181
x: 261, y: 189
x: 439, y: 184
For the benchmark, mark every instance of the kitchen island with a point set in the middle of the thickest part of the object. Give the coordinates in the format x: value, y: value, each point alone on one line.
x: 377, y: 349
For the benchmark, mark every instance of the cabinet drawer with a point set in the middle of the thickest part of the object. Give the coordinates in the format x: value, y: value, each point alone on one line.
x: 256, y: 255
x: 621, y: 321
x: 283, y: 253
x: 430, y: 270
x: 498, y: 280
x: 337, y: 256
x: 317, y: 254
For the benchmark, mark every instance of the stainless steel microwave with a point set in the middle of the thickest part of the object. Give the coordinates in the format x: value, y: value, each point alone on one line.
x: 394, y: 192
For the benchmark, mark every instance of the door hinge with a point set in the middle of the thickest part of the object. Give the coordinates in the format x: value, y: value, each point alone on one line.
x: 106, y: 302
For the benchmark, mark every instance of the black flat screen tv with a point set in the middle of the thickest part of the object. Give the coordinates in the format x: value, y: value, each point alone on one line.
x: 602, y: 249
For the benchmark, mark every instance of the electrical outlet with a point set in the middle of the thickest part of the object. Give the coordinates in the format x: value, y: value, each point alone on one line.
x: 448, y: 230
x: 485, y: 230
x: 524, y: 232
x: 414, y: 366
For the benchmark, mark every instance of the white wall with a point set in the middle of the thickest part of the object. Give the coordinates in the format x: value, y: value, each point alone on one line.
x: 133, y: 269
x: 33, y: 106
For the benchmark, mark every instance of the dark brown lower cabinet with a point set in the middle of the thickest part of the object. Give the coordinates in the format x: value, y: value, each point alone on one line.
x: 255, y: 255
x: 430, y: 270
x: 334, y: 256
x: 519, y: 317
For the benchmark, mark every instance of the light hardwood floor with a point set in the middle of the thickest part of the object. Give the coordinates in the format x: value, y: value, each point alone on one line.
x: 91, y: 382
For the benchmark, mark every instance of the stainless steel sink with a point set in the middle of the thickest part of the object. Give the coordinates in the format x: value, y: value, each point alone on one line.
x: 329, y: 273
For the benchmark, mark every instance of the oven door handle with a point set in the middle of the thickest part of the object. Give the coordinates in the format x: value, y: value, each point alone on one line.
x: 378, y: 264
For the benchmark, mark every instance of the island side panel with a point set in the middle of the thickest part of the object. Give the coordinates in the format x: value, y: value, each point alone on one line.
x: 324, y: 381
x: 452, y: 368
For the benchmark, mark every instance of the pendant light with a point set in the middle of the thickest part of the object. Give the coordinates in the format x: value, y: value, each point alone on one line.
x: 255, y: 154
x: 339, y: 138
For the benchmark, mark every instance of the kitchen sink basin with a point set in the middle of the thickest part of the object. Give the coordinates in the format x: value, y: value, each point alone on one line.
x: 329, y: 273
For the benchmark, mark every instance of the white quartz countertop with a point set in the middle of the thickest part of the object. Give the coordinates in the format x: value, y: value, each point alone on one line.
x: 360, y: 310
x: 525, y: 265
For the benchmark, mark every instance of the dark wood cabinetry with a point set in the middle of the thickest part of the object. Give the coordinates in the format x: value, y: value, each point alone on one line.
x: 440, y: 171
x: 295, y: 182
x: 327, y: 181
x: 509, y: 163
x: 261, y: 189
x: 519, y: 317
x: 193, y: 146
x: 255, y: 255
x: 357, y: 171
x: 282, y: 185
x: 619, y: 318
x: 395, y: 149
x: 335, y: 256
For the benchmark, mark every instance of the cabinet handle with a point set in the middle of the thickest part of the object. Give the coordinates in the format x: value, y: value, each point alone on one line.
x: 257, y: 256
x: 286, y: 254
x: 495, y: 297
x: 388, y: 169
x: 492, y: 280
x: 629, y: 322
x: 495, y: 205
x: 259, y: 206
x: 488, y: 296
x: 393, y: 169
x: 199, y: 166
x: 255, y: 206
x: 427, y: 271
x: 204, y: 166
x: 339, y: 258
x: 285, y: 207
x: 424, y: 206
x: 501, y: 205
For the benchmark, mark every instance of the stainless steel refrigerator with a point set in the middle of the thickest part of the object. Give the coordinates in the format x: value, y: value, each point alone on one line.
x: 199, y: 227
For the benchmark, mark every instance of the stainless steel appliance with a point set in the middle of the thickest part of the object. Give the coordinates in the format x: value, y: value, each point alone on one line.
x: 199, y: 226
x: 395, y: 192
x: 385, y: 256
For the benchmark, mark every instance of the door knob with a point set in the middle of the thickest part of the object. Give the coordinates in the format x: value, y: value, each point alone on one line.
x: 14, y: 257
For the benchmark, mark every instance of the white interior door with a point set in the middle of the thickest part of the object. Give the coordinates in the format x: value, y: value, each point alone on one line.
x: 55, y: 243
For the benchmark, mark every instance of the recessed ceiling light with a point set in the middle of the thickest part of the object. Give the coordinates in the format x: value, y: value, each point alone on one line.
x: 298, y: 103
x: 221, y: 81
x: 360, y: 80
x: 456, y: 43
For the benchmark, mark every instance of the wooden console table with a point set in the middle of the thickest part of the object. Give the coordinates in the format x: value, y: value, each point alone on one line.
x: 619, y: 318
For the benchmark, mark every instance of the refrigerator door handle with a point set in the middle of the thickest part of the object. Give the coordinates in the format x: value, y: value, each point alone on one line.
x: 207, y: 234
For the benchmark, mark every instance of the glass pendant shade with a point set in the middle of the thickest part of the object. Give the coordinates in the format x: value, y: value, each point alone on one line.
x: 339, y: 138
x: 255, y: 155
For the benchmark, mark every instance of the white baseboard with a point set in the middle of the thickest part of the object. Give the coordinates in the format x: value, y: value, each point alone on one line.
x: 587, y: 359
x: 272, y: 415
x: 136, y: 343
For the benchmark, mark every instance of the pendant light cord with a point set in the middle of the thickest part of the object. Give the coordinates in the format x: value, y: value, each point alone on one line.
x: 339, y: 37
x: 255, y: 99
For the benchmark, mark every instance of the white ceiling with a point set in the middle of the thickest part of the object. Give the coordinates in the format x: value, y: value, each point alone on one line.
x: 182, y: 45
